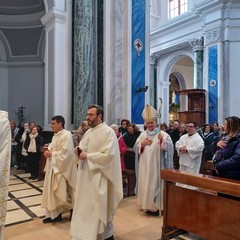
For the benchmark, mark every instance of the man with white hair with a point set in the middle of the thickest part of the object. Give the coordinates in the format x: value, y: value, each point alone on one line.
x: 156, y: 152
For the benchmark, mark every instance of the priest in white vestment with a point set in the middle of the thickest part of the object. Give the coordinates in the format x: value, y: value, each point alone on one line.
x: 155, y: 150
x: 99, y: 181
x: 5, y: 159
x: 61, y: 173
x: 190, y: 148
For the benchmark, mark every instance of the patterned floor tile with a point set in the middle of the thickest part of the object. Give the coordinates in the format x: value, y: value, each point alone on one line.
x: 17, y: 216
x: 25, y: 193
x: 19, y: 187
x: 38, y: 210
x: 31, y: 201
x: 12, y: 205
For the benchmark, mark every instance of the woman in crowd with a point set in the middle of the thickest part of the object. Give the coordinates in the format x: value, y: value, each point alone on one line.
x: 208, y: 138
x: 227, y: 150
x: 121, y: 144
x: 32, y: 144
x: 78, y: 135
x: 21, y: 137
x: 130, y: 138
x: 123, y: 129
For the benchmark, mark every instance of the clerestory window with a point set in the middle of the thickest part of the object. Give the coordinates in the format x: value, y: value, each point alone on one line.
x: 177, y: 7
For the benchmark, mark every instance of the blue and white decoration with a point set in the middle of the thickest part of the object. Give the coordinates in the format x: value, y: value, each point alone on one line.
x: 138, y: 59
x: 213, y: 83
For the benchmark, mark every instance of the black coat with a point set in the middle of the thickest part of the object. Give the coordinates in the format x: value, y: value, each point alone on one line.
x: 38, y: 139
x: 229, y: 167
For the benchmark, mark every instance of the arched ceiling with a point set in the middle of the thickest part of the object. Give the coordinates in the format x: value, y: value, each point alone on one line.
x: 21, y: 29
x: 20, y: 7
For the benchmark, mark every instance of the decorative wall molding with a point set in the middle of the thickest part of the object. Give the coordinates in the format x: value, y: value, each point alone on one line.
x: 197, y: 44
x: 213, y: 36
x: 153, y: 59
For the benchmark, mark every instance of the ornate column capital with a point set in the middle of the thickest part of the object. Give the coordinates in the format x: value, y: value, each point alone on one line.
x: 153, y: 59
x: 197, y: 44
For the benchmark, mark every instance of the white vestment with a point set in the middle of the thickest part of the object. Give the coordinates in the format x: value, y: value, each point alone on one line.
x: 5, y: 159
x: 190, y: 161
x: 60, y: 176
x: 152, y: 159
x: 99, y: 184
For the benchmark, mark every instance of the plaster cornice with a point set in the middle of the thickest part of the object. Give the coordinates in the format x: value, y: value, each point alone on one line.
x: 21, y: 21
x: 54, y: 15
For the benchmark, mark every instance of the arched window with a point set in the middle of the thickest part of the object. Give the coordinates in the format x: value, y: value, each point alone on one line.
x: 177, y: 7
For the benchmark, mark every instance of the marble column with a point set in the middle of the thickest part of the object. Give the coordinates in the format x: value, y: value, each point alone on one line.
x: 153, y: 81
x: 84, y: 58
x: 197, y: 45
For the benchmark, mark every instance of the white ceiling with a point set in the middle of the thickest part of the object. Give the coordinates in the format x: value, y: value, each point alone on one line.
x: 185, y: 61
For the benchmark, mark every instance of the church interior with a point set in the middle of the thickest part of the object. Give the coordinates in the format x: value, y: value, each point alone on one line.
x: 59, y: 56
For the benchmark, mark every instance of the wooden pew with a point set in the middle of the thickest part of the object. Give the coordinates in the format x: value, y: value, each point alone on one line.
x: 202, y: 212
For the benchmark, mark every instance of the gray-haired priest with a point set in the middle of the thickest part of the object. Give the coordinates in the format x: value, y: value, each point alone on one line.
x: 155, y: 152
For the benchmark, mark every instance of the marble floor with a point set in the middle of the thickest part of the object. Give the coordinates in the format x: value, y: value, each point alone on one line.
x: 24, y: 216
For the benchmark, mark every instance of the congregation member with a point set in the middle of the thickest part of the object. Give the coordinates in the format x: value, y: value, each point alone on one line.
x: 227, y: 150
x: 31, y: 125
x: 5, y: 156
x: 208, y: 137
x: 123, y: 128
x: 215, y: 127
x: 163, y: 127
x: 156, y: 152
x: 78, y: 135
x: 21, y: 151
x: 32, y: 145
x: 189, y: 148
x: 130, y: 139
x: 60, y: 176
x: 221, y: 131
x: 173, y: 132
x: 14, y: 132
x: 99, y: 181
x: 182, y: 129
x: 121, y: 144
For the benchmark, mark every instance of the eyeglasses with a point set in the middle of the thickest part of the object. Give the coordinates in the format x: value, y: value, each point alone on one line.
x: 91, y: 114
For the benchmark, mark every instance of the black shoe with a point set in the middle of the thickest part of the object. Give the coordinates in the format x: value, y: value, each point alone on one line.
x: 110, y: 238
x: 31, y: 177
x: 49, y: 220
x: 34, y: 178
x: 153, y: 213
x: 58, y: 218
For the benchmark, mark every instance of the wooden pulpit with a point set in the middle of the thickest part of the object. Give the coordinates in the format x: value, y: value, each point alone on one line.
x: 195, y: 106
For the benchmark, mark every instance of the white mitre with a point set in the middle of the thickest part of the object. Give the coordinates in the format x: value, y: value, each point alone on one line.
x: 149, y: 114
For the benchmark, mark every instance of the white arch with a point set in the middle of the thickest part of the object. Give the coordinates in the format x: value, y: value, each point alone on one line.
x: 165, y: 68
x: 173, y: 58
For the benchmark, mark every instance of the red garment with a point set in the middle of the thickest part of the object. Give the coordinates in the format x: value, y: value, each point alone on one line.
x: 123, y: 149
